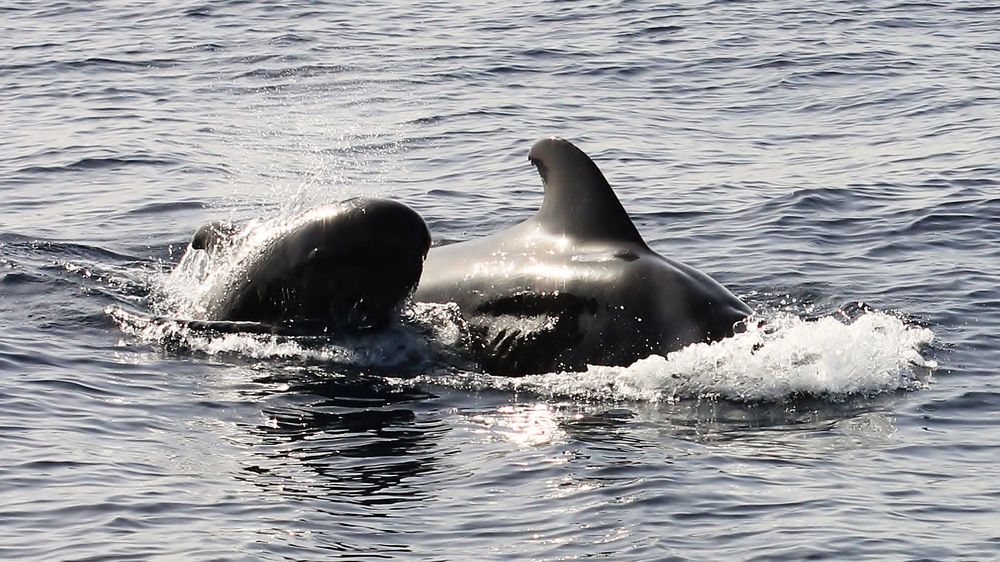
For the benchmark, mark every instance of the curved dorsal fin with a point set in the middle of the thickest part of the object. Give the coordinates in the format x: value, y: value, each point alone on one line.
x: 578, y: 200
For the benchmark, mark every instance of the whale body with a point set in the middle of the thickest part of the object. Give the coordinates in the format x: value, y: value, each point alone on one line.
x: 575, y: 284
x: 341, y: 267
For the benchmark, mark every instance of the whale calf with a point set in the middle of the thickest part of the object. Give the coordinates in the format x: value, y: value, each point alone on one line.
x: 340, y: 267
x: 575, y: 284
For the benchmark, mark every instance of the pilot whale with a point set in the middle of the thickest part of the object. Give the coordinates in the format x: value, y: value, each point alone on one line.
x: 342, y: 267
x: 575, y: 284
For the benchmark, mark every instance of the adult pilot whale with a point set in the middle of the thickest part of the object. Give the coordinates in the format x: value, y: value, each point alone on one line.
x: 575, y: 284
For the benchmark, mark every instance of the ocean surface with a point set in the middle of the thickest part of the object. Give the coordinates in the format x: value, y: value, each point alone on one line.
x: 835, y: 164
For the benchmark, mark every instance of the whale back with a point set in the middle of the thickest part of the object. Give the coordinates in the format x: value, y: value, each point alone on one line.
x: 578, y: 200
x: 575, y: 284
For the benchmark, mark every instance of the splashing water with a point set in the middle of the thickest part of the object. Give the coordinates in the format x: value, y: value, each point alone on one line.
x: 788, y: 357
x: 201, y: 276
x: 187, y: 291
x: 426, y: 336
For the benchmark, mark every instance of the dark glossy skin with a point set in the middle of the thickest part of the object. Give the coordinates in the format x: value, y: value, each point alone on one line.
x: 575, y: 284
x: 347, y: 266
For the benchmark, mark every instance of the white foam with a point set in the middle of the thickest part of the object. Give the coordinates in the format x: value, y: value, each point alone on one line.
x: 425, y: 335
x: 790, y: 356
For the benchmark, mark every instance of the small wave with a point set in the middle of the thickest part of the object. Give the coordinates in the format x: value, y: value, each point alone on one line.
x: 290, y: 39
x: 57, y: 250
x: 102, y: 62
x: 786, y: 358
x: 307, y: 70
x: 160, y: 208
x: 978, y: 9
x: 92, y: 163
x: 95, y: 64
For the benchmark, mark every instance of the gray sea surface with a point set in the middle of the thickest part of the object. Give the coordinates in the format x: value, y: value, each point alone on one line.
x: 835, y: 164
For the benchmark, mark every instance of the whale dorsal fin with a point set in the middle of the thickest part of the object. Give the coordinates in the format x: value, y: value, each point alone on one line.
x: 578, y: 200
